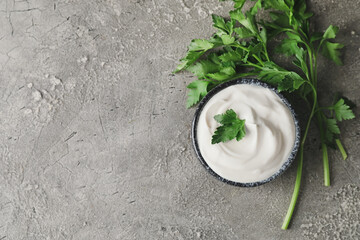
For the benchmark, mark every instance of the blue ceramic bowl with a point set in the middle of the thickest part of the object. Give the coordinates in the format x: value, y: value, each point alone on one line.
x: 196, y: 119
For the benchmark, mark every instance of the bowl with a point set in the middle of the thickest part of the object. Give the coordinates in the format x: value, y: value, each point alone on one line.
x: 198, y: 112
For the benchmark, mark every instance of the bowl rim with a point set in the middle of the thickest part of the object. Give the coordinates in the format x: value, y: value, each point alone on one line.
x: 214, y: 91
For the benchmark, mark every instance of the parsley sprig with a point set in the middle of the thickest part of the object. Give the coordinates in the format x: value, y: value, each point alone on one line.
x: 239, y: 49
x: 231, y: 127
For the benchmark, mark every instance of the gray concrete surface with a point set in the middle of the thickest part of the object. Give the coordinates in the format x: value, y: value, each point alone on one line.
x: 94, y: 135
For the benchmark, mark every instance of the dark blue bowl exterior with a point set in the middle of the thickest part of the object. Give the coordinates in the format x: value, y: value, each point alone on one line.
x: 196, y: 119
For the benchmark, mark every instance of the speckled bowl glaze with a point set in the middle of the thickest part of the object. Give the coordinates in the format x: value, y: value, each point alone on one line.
x: 196, y: 119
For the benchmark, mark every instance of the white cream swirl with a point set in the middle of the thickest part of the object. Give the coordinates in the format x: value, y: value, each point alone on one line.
x: 269, y: 140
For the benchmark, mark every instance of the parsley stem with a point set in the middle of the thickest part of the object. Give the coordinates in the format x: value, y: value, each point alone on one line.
x: 326, y: 165
x: 250, y: 64
x: 239, y: 76
x: 324, y: 108
x: 304, y: 34
x: 304, y: 39
x: 311, y: 63
x: 320, y: 117
x: 296, y: 191
x: 291, y: 30
x: 258, y: 59
x: 318, y: 48
x: 266, y: 52
x: 320, y: 123
x: 300, y: 164
x: 247, y: 50
x: 341, y: 148
x: 315, y: 68
x: 240, y: 46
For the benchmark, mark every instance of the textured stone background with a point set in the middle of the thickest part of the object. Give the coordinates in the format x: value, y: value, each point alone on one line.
x: 94, y: 135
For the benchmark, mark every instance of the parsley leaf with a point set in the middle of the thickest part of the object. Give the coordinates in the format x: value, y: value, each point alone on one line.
x: 220, y: 23
x: 288, y: 47
x: 256, y: 7
x: 283, y: 79
x: 243, y: 32
x: 331, y: 51
x: 203, y: 67
x: 224, y: 74
x: 232, y: 56
x: 343, y: 111
x: 189, y: 59
x: 200, y: 44
x: 280, y: 20
x: 331, y: 129
x: 198, y: 90
x: 227, y: 39
x: 278, y: 5
x: 239, y: 3
x: 330, y: 32
x: 232, y: 127
x: 196, y: 49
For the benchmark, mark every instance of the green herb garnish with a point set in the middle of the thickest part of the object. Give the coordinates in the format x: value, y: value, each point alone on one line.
x: 239, y: 48
x: 232, y: 127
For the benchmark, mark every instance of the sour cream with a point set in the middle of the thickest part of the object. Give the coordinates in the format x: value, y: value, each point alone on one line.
x: 269, y: 140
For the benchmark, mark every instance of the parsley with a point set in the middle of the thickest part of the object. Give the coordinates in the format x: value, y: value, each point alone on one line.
x: 232, y: 127
x: 198, y: 89
x: 239, y: 48
x: 343, y: 111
